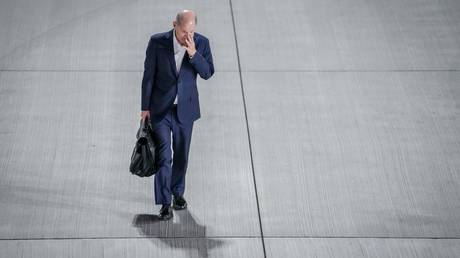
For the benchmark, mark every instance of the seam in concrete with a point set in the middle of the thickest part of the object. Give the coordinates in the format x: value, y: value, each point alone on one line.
x: 247, y: 127
x: 236, y: 237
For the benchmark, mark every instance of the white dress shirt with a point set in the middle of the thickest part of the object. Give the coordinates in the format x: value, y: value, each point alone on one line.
x: 179, y: 52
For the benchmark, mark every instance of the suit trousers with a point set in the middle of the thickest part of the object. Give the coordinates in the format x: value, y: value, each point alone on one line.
x: 171, y: 163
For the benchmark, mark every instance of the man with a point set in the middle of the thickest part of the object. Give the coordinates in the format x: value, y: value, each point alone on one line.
x: 170, y: 100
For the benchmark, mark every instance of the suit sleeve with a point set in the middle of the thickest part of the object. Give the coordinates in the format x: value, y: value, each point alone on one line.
x: 149, y: 75
x: 203, y: 62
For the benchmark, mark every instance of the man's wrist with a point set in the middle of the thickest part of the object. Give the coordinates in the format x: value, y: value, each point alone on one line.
x: 192, y: 55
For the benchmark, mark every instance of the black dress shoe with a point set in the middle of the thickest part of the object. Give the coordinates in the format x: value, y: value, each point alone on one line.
x: 165, y: 212
x: 179, y: 203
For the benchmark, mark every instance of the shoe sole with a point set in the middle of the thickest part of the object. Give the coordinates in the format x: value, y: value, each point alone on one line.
x: 177, y: 207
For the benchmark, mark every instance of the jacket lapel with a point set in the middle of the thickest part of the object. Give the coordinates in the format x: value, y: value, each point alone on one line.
x: 170, y: 43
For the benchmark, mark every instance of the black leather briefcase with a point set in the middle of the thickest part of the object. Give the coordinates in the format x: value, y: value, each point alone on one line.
x: 143, y: 156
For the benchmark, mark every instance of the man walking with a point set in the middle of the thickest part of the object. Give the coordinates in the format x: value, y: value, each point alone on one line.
x: 170, y: 100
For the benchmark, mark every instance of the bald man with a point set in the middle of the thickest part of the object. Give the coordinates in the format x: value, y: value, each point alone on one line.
x: 170, y: 101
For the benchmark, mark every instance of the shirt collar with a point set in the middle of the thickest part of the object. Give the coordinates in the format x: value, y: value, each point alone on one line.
x: 177, y: 46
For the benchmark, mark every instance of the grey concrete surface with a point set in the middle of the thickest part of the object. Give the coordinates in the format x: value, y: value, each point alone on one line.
x: 101, y: 35
x: 330, y: 129
x: 133, y: 247
x: 361, y: 247
x: 350, y: 34
x: 368, y: 154
x: 66, y: 151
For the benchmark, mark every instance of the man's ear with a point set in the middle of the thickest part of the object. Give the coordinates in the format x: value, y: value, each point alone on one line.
x: 174, y: 24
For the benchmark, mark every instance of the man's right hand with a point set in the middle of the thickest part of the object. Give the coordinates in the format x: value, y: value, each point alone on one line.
x: 144, y: 114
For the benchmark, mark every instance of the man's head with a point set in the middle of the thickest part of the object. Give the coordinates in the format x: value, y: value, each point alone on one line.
x: 184, y: 25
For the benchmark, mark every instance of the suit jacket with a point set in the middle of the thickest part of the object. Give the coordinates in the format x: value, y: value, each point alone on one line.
x: 160, y: 82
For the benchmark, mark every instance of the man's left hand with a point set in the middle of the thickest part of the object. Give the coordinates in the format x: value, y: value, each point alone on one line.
x: 190, y: 45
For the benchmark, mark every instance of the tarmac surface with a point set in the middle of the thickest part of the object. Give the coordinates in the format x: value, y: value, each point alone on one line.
x: 329, y: 129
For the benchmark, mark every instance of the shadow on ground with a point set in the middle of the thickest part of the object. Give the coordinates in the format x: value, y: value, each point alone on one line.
x: 181, y: 232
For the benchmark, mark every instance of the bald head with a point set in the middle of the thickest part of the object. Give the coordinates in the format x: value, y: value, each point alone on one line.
x: 186, y: 17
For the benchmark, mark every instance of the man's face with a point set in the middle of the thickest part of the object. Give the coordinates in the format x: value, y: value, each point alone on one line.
x: 183, y: 30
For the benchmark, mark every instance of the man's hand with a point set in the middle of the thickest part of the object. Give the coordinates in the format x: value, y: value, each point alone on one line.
x: 190, y: 45
x: 144, y: 114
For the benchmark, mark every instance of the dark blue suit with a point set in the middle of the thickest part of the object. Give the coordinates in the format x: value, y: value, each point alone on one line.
x: 160, y: 84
